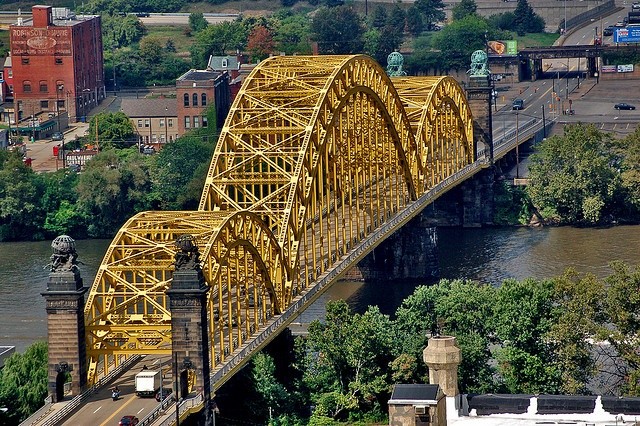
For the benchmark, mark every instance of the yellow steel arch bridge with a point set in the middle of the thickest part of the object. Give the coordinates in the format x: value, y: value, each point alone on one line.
x: 316, y: 155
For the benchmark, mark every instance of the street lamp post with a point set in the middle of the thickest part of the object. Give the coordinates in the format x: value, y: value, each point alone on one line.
x: 59, y: 88
x: 517, y: 147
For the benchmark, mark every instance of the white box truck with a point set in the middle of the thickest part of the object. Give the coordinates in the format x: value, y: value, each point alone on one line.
x: 148, y: 383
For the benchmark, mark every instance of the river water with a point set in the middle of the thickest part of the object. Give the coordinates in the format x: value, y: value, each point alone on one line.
x: 487, y: 255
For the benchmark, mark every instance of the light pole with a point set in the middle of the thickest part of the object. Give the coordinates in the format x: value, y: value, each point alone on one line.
x: 59, y: 88
x: 517, y: 147
x: 565, y: 18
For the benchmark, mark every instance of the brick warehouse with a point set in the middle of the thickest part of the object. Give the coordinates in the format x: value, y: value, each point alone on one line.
x: 57, y: 63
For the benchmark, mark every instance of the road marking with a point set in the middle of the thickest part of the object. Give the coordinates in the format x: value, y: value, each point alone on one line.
x: 140, y: 411
x: 108, y: 421
x: 97, y: 409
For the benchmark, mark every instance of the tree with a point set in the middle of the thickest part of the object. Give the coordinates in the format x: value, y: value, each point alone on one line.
x: 273, y: 393
x: 111, y: 129
x: 23, y: 383
x: 379, y: 17
x: 622, y: 326
x: 293, y: 34
x: 120, y: 31
x: 523, y: 315
x: 432, y: 10
x: 337, y: 30
x: 260, y: 43
x: 503, y: 21
x: 21, y: 213
x: 463, y: 9
x: 346, y: 364
x: 197, y: 22
x: 217, y: 39
x: 459, y: 39
x: 113, y: 187
x: 415, y: 24
x: 458, y: 308
x: 526, y: 20
x: 178, y: 172
x: 628, y: 149
x: 576, y: 177
x: 579, y: 303
x: 151, y: 50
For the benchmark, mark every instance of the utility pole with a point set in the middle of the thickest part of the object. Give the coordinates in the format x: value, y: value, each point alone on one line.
x: 97, y: 140
x: 544, y: 124
x: 517, y: 147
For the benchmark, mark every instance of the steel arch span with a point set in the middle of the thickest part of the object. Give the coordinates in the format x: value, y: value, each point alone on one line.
x: 316, y: 153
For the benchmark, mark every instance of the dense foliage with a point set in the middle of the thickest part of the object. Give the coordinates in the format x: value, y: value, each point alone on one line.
x: 23, y: 384
x: 585, y: 176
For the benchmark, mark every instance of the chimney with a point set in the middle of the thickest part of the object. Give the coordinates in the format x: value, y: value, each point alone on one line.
x: 42, y: 16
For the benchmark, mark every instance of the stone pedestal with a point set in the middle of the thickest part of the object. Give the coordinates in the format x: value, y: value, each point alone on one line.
x: 479, y: 97
x: 190, y: 335
x: 65, y: 332
x: 442, y: 356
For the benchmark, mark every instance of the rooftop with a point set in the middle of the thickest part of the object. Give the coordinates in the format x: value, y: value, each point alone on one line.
x: 158, y: 107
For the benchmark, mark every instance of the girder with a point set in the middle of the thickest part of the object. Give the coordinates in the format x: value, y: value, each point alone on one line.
x: 315, y: 154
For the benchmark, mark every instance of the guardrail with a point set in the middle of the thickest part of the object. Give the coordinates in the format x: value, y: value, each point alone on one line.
x: 186, y: 407
x: 158, y: 411
x: 507, y: 142
x: 79, y: 399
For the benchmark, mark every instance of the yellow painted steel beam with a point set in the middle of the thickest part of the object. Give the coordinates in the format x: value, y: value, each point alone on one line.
x: 315, y: 154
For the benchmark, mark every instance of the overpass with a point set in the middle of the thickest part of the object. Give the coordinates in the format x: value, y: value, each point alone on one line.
x: 319, y: 161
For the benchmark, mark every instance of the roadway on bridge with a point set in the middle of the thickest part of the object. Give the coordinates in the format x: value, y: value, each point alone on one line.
x: 101, y: 410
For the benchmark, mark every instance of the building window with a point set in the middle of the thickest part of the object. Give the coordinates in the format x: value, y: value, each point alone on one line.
x: 58, y: 61
x: 205, y: 122
x: 162, y: 122
x: 44, y: 88
x: 186, y: 99
x: 25, y: 61
x: 9, y: 73
x: 147, y: 122
x: 195, y: 99
x: 139, y: 123
x: 26, y: 87
x: 154, y: 138
x: 196, y: 121
x: 187, y: 122
x: 225, y: 63
x: 170, y: 122
x: 204, y: 99
x: 44, y: 104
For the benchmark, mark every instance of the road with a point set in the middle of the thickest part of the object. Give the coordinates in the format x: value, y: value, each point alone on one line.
x: 101, y: 410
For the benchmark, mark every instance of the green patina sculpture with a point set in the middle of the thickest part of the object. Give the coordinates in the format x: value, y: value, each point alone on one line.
x: 479, y: 66
x: 394, y: 65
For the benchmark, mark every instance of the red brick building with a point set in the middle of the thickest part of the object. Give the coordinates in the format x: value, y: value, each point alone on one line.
x: 196, y: 91
x: 57, y: 64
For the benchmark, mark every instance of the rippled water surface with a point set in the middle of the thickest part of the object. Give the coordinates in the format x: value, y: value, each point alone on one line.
x: 487, y: 255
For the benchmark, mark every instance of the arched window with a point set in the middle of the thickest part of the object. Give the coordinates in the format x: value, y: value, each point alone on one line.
x: 204, y: 99
x: 186, y: 99
x: 26, y: 86
x: 195, y: 99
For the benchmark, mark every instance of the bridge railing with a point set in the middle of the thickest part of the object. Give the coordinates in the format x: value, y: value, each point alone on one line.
x: 158, y: 411
x: 186, y: 407
x: 72, y: 405
x: 508, y: 141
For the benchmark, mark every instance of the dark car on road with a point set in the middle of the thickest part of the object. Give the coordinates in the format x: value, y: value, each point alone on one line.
x: 607, y: 31
x: 623, y: 105
x: 518, y: 104
x: 128, y: 421
x: 163, y: 393
x: 57, y: 136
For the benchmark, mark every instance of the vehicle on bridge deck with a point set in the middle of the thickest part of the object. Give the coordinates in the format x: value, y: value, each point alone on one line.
x: 607, y: 31
x: 147, y: 383
x: 624, y: 105
x: 128, y: 421
x: 518, y: 104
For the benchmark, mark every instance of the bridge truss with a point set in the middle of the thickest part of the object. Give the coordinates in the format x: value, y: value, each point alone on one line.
x: 316, y: 153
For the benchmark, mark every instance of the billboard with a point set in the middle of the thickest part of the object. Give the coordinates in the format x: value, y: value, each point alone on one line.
x: 630, y: 34
x: 504, y: 47
x: 40, y: 41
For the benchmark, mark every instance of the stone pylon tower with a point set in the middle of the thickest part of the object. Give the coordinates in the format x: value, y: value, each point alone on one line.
x: 190, y: 335
x: 442, y: 356
x: 65, y: 320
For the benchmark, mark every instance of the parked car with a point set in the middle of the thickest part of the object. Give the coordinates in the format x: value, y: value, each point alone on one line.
x: 142, y: 14
x: 57, y: 136
x: 518, y: 104
x: 607, y: 31
x: 165, y: 393
x: 128, y: 421
x: 623, y: 105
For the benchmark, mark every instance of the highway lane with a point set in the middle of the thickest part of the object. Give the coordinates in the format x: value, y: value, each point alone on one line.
x: 101, y: 410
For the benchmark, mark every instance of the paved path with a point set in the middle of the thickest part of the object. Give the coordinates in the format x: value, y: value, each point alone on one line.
x: 41, y: 151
